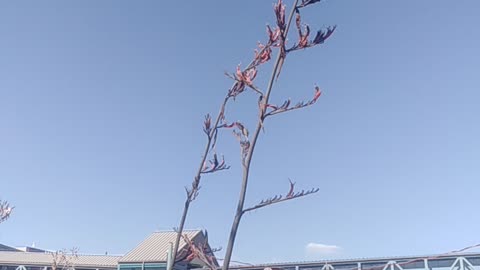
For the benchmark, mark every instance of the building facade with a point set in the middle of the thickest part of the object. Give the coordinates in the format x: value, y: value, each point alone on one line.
x: 151, y: 254
x: 457, y: 261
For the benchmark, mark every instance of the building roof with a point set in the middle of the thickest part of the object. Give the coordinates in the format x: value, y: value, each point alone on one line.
x: 155, y: 247
x: 45, y: 259
x: 152, y: 250
x: 355, y: 261
x: 30, y: 249
x: 7, y: 248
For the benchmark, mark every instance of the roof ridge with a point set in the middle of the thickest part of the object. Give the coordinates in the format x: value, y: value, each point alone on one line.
x: 156, y: 246
x: 172, y: 231
x: 48, y: 252
x: 98, y: 255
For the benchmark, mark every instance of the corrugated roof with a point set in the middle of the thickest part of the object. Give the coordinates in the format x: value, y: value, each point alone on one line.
x: 45, y: 259
x: 155, y: 247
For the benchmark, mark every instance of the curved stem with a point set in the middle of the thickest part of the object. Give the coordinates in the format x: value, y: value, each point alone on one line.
x: 248, y: 159
x: 196, y: 181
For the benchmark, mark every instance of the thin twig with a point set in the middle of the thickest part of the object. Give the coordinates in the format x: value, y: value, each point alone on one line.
x: 196, y: 182
x: 279, y: 200
x: 285, y: 107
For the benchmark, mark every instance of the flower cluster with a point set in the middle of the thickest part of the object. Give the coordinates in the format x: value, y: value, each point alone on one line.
x: 200, y: 251
x: 308, y: 2
x: 214, y: 165
x: 243, y: 79
x: 279, y: 9
x: 207, y: 125
x: 304, y: 33
x: 5, y: 210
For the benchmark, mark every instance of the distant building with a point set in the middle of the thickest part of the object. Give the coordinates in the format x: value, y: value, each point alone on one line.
x: 457, y: 261
x: 151, y: 254
x: 7, y: 248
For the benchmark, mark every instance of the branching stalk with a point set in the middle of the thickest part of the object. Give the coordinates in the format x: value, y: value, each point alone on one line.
x: 243, y: 80
x: 248, y: 159
x: 192, y: 193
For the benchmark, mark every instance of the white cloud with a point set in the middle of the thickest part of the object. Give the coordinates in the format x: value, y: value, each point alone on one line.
x: 316, y: 250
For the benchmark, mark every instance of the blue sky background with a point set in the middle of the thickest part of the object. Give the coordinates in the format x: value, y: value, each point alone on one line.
x: 102, y: 103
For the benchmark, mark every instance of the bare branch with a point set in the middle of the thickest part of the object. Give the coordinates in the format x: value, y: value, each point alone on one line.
x: 5, y: 210
x: 215, y: 165
x: 256, y: 89
x: 285, y: 107
x: 292, y: 194
x: 64, y: 259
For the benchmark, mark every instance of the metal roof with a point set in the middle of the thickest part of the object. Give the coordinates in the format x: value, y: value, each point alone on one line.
x: 45, y: 259
x: 7, y: 248
x: 155, y: 247
x: 247, y: 266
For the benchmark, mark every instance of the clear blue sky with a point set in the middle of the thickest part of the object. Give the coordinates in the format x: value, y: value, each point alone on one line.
x: 101, y: 109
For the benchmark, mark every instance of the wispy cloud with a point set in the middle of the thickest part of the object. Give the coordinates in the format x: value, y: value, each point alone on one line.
x: 316, y: 250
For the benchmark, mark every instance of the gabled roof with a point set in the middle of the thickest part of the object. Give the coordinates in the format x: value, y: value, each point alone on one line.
x: 7, y: 248
x: 155, y: 247
x: 45, y: 259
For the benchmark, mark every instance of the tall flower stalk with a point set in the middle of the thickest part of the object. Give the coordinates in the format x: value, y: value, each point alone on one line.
x: 277, y: 39
x: 244, y: 80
